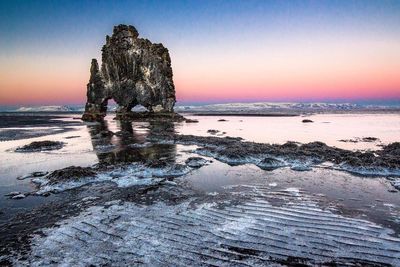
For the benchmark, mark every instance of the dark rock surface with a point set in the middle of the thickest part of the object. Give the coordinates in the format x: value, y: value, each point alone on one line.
x: 72, y: 136
x: 40, y: 146
x: 70, y: 173
x: 32, y: 175
x: 358, y: 139
x: 19, y: 196
x: 196, y: 162
x: 212, y: 131
x: 301, y: 156
x: 191, y: 121
x: 11, y: 194
x: 270, y: 164
x: 370, y: 139
x: 134, y: 72
x: 18, y: 125
x: 25, y: 120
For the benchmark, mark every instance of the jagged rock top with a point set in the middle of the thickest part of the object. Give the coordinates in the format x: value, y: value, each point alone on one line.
x: 123, y: 36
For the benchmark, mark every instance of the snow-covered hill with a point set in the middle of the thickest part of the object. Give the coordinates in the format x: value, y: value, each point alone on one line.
x: 44, y: 109
x: 258, y: 107
x: 283, y: 107
x: 267, y: 106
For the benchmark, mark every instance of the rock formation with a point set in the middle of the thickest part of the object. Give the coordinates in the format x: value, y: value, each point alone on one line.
x: 134, y: 71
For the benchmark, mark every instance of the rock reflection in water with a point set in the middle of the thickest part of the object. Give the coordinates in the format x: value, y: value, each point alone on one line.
x: 129, y: 144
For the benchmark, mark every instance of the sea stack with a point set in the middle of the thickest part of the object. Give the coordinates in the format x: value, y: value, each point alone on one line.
x: 134, y: 71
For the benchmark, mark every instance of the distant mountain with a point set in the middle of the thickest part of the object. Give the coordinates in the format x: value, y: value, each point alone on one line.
x: 63, y: 108
x: 261, y: 107
x: 44, y: 109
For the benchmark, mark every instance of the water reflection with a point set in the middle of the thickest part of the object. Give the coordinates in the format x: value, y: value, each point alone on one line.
x: 128, y: 143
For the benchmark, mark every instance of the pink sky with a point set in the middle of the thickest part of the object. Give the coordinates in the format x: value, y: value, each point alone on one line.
x: 320, y: 71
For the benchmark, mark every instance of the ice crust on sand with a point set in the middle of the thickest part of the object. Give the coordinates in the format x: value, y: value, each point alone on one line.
x: 126, y: 176
x: 396, y: 183
x: 252, y: 233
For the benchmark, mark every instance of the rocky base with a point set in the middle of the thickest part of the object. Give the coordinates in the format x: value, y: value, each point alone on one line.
x: 150, y: 116
x: 93, y: 116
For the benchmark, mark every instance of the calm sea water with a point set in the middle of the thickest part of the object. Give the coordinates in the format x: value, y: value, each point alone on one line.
x: 358, y: 195
x: 327, y: 128
x: 319, y: 214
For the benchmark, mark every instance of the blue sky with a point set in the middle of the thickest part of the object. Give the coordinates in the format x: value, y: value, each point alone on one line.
x: 235, y: 46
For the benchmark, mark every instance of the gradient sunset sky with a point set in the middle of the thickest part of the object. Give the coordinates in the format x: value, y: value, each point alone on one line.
x: 222, y: 51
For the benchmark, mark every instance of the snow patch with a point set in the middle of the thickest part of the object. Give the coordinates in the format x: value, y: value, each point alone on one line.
x: 292, y: 190
x: 135, y: 174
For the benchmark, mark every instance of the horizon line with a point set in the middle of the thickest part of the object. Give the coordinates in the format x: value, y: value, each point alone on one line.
x: 229, y: 101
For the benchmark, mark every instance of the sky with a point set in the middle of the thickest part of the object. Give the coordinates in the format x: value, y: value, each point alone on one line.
x: 221, y: 51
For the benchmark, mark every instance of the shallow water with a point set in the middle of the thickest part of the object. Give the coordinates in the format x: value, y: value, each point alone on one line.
x: 371, y: 202
x: 355, y: 196
x: 327, y: 128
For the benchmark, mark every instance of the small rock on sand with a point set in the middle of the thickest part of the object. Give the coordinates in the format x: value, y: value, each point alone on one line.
x: 300, y: 168
x: 196, y: 162
x: 348, y: 140
x: 369, y: 139
x: 212, y: 131
x: 38, y: 174
x: 270, y: 164
x: 32, y: 175
x: 72, y: 136
x: 70, y: 173
x: 358, y: 139
x: 191, y: 121
x: 20, y: 196
x: 11, y: 194
x: 38, y: 146
x: 307, y: 121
